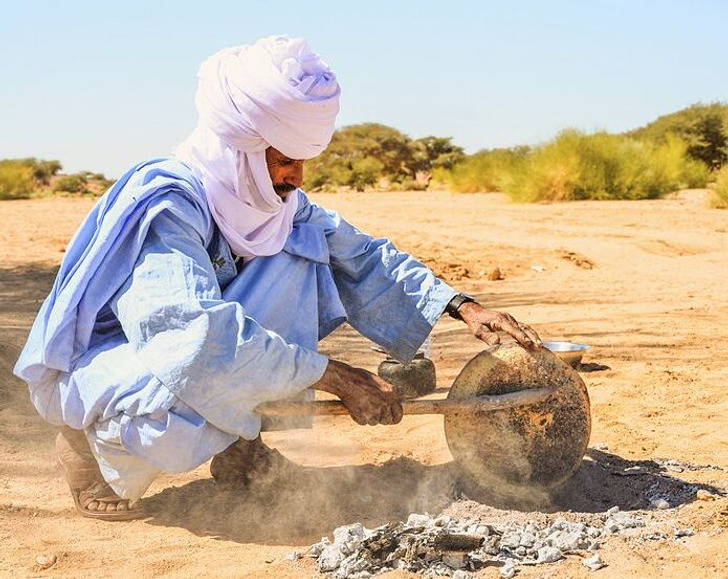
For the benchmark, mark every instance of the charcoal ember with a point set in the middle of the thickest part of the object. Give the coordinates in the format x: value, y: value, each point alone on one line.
x: 510, y: 541
x: 416, y: 547
x: 382, y: 539
x: 438, y: 569
x: 611, y: 526
x: 329, y: 559
x: 446, y: 546
x: 594, y: 563
x: 593, y: 532
x: 357, y: 566
x: 659, y: 504
x: 455, y: 560
x: 491, y: 546
x: 482, y: 530
x: 508, y: 570
x: 549, y: 555
x: 419, y: 521
x: 446, y: 541
x: 44, y: 562
x: 568, y: 541
x: 315, y: 550
x: 348, y: 538
x: 626, y: 521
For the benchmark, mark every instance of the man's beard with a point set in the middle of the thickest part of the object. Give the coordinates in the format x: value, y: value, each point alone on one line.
x: 283, y: 189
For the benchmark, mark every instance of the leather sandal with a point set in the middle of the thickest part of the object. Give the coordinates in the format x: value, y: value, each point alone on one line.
x: 89, y: 490
x: 245, y: 461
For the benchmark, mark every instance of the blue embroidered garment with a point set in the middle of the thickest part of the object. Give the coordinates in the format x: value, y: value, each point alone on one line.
x: 153, y: 338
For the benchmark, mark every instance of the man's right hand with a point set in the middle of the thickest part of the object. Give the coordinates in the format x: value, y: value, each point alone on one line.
x: 368, y: 398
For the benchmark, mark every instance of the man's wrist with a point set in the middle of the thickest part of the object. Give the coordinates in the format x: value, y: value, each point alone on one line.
x: 453, y: 306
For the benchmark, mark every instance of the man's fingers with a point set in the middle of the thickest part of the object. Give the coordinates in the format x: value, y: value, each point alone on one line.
x: 518, y: 331
x: 531, y: 333
x: 397, y: 412
x: 393, y: 415
x: 490, y: 338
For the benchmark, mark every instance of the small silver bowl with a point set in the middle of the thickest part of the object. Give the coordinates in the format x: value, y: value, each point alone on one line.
x: 569, y: 352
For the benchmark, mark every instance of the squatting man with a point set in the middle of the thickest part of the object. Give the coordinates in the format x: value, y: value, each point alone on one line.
x: 199, y: 286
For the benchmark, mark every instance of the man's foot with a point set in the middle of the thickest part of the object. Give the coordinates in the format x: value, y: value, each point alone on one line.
x: 246, y: 460
x: 92, y: 495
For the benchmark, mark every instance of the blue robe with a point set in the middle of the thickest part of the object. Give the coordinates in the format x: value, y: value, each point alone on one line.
x: 160, y: 346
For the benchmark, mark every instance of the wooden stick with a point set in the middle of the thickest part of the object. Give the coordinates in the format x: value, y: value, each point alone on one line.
x: 472, y: 404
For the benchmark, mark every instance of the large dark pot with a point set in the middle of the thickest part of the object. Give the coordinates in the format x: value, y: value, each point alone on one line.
x: 410, y: 380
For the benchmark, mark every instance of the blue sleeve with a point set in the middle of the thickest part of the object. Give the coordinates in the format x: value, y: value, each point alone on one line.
x: 202, y: 348
x: 389, y: 296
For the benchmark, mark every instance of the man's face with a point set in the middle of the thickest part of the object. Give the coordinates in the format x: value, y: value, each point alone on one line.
x: 286, y: 173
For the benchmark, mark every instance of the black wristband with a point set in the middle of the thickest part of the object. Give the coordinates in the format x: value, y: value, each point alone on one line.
x: 454, y: 305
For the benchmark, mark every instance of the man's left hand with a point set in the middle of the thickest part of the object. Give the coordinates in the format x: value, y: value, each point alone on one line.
x: 485, y: 325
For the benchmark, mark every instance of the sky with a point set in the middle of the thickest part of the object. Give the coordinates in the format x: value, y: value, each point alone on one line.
x: 103, y: 85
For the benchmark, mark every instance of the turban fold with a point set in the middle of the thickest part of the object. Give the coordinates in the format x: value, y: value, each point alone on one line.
x: 277, y: 93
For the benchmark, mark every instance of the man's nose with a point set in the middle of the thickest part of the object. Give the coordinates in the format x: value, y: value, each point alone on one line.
x: 295, y: 176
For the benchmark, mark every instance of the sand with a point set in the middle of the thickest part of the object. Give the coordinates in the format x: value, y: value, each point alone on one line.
x: 643, y: 283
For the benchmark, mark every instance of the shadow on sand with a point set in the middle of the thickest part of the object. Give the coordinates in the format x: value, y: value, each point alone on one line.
x: 308, y: 503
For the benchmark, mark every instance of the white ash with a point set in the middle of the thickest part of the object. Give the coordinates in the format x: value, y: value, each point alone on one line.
x: 659, y: 504
x: 594, y: 563
x: 444, y: 546
x: 447, y: 546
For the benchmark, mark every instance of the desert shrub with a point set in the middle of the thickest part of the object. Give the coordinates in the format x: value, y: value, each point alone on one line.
x: 369, y: 154
x: 484, y: 171
x: 408, y: 185
x: 16, y: 179
x: 719, y: 197
x: 703, y: 128
x: 74, y: 183
x: 576, y: 166
x: 363, y: 173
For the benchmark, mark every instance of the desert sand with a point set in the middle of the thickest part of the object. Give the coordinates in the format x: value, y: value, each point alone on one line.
x: 643, y: 283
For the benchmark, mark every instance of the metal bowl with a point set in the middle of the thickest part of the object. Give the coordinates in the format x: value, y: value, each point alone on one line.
x: 569, y: 352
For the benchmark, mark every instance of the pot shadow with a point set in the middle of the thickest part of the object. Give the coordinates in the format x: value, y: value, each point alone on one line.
x: 605, y: 480
x: 305, y: 503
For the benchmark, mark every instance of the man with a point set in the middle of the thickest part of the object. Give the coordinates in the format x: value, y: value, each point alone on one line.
x: 199, y: 287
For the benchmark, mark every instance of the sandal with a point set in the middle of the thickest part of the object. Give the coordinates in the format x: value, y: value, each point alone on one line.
x: 245, y: 461
x: 92, y: 495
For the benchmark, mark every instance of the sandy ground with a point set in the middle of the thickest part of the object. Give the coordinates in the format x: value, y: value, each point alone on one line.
x: 644, y: 283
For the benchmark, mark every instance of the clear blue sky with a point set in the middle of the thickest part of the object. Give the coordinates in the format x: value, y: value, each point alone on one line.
x: 100, y: 85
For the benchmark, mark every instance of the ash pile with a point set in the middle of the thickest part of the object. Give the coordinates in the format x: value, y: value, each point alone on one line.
x: 446, y: 547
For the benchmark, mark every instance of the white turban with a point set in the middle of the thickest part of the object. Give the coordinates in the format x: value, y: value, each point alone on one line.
x: 277, y: 93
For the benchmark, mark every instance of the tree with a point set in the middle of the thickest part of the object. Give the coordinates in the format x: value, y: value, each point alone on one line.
x: 360, y: 156
x: 703, y: 128
x: 42, y: 170
x: 430, y: 153
x: 16, y: 179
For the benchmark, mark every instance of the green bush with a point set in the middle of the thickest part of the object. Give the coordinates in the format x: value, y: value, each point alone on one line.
x: 576, y: 165
x: 602, y: 166
x: 719, y: 198
x: 704, y: 129
x: 16, y: 179
x: 369, y: 154
x: 485, y: 170
x: 74, y: 183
